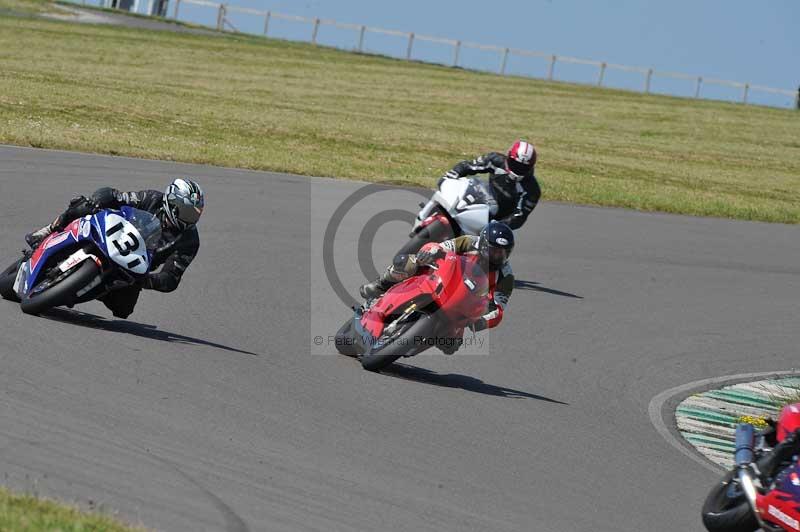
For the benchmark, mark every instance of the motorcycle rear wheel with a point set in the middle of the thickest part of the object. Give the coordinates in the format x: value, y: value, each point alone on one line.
x: 721, y: 513
x: 63, y: 292
x: 399, y: 346
x: 7, y: 279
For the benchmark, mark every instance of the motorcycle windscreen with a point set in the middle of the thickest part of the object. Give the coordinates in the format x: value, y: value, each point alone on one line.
x: 465, y: 287
x: 468, y: 201
x: 148, y: 225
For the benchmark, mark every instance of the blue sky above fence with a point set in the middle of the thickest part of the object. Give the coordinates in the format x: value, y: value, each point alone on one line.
x: 753, y: 42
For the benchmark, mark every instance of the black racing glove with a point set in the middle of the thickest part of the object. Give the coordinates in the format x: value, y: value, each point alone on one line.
x: 428, y: 255
x: 105, y: 198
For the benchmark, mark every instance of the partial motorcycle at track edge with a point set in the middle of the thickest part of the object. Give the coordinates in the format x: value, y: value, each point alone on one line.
x: 762, y: 491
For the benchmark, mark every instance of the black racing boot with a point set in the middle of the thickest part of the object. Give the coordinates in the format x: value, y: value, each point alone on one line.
x: 35, y: 238
x: 376, y: 288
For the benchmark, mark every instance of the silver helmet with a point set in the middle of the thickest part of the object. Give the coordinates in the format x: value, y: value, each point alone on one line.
x: 183, y: 203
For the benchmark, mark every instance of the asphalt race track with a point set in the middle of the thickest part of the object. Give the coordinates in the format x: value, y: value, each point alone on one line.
x: 208, y: 410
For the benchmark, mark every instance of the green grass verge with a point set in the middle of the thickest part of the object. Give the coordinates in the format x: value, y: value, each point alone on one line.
x: 267, y: 104
x: 30, y: 514
x: 25, y: 7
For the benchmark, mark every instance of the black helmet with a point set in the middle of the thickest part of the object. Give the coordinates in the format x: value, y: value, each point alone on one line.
x: 495, y: 244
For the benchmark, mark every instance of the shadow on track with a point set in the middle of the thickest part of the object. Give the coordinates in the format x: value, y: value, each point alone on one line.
x: 533, y: 285
x: 454, y: 380
x: 84, y: 319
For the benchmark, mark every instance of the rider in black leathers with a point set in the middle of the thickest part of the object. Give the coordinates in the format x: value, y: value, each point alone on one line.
x: 178, y: 208
x: 512, y: 180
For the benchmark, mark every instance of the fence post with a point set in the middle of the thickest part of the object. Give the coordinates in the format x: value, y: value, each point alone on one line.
x: 361, y: 38
x: 797, y: 99
x: 457, y: 51
x: 601, y: 74
x: 505, y: 61
x: 315, y: 31
x: 552, y: 68
x: 266, y: 22
x: 177, y: 5
x: 410, y: 45
x: 221, y: 18
x: 647, y: 80
x: 744, y: 93
x: 697, y: 88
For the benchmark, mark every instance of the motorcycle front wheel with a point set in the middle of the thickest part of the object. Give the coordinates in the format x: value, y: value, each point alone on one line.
x: 726, y: 508
x: 344, y: 340
x: 7, y: 279
x: 62, y: 292
x: 406, y: 339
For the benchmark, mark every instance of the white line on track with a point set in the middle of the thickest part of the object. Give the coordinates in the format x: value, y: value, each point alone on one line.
x: 657, y: 405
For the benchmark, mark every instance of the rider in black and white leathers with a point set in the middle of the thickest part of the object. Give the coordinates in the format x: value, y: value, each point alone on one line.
x: 517, y: 194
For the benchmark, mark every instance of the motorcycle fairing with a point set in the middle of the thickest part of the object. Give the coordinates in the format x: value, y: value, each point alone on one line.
x: 468, y: 201
x: 781, y: 505
x: 455, y: 285
x: 31, y: 269
x: 120, y: 240
x: 109, y: 230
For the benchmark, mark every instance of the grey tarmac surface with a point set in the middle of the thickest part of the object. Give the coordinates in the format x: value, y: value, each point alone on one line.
x: 207, y: 411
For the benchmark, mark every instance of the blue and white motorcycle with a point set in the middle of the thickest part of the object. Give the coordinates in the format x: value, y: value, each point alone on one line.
x: 83, y: 262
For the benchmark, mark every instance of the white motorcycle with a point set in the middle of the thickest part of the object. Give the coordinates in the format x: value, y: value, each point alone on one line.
x: 461, y: 206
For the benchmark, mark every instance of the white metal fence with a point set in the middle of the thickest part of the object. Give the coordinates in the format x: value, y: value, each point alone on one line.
x: 224, y: 23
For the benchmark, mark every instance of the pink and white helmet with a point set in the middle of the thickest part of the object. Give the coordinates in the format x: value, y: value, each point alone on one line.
x: 520, y: 160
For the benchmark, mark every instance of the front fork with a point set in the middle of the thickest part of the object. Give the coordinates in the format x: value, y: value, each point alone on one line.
x: 743, y: 458
x: 427, y: 209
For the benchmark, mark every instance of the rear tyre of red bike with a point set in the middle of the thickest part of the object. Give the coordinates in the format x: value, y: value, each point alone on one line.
x: 723, y: 512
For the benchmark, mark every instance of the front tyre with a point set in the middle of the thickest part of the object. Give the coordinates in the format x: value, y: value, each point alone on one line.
x: 63, y: 292
x: 7, y: 279
x: 344, y: 340
x: 407, y: 339
x: 726, y: 508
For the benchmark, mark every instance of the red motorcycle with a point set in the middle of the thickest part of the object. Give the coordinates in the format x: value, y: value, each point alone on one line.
x: 763, y: 489
x: 430, y: 309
